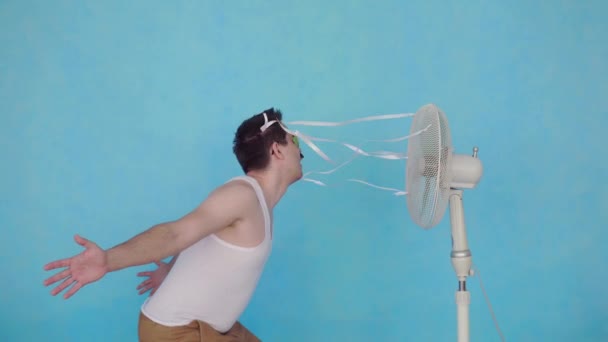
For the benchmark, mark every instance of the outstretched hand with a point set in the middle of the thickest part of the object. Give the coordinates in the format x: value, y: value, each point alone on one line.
x: 155, y: 278
x: 81, y: 269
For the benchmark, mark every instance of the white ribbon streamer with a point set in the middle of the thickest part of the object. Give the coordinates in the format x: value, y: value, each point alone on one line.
x: 314, y: 181
x: 348, y: 122
x: 404, y: 137
x: 308, y: 140
x: 397, y: 192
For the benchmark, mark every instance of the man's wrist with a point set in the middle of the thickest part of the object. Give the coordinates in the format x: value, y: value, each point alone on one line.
x: 111, y: 261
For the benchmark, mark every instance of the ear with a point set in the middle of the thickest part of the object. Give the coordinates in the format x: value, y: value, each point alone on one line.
x: 276, y: 150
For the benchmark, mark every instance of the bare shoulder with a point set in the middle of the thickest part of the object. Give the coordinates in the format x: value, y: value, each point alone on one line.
x: 224, y: 206
x: 234, y: 194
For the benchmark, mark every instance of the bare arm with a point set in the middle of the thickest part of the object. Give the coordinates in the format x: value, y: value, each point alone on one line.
x: 220, y: 210
x: 156, y: 243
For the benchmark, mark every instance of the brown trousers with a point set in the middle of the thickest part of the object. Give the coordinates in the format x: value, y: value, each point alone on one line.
x: 197, y: 331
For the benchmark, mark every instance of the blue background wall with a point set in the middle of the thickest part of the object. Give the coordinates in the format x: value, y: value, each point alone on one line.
x: 115, y: 116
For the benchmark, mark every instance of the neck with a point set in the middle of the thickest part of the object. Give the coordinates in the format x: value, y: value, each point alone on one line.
x: 273, y: 186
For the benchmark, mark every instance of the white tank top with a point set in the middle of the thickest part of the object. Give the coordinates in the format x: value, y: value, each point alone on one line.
x: 212, y: 280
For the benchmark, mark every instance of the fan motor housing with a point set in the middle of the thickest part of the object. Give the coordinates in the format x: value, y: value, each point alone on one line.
x: 466, y: 171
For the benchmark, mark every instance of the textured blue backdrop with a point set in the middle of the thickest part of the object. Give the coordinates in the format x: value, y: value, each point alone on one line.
x: 115, y: 116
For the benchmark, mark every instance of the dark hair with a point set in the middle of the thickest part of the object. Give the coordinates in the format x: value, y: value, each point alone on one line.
x: 251, y: 146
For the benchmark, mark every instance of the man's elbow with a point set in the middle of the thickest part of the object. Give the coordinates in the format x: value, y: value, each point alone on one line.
x: 172, y: 238
x: 180, y: 236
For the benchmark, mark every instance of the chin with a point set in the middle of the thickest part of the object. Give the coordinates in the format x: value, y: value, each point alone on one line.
x: 298, y: 177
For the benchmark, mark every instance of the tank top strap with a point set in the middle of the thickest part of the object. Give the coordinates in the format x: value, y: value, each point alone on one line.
x: 260, y: 194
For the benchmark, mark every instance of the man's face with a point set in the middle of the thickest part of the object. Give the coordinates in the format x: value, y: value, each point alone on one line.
x: 295, y: 154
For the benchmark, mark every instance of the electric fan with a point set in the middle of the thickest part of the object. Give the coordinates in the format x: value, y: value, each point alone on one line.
x: 435, y: 177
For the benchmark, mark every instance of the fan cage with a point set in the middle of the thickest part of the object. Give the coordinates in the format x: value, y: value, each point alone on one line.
x: 427, y: 173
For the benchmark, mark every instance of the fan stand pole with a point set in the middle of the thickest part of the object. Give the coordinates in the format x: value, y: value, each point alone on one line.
x: 461, y: 261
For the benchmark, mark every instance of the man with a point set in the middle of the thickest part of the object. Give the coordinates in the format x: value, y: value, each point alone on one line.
x: 219, y: 249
